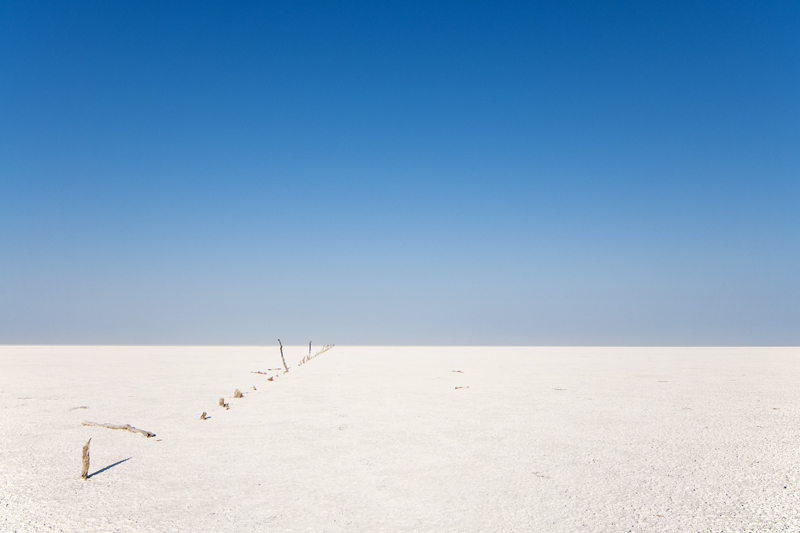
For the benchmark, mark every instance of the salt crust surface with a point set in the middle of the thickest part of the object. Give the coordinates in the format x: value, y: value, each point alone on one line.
x: 379, y: 439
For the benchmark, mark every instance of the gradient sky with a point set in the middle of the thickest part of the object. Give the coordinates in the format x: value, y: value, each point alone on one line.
x: 607, y: 173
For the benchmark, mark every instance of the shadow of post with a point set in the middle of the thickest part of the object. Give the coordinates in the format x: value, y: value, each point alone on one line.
x: 106, y: 468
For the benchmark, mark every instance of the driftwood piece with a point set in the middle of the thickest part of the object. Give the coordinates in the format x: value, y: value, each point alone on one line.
x: 126, y: 427
x: 323, y: 350
x: 85, y: 460
x: 286, y: 368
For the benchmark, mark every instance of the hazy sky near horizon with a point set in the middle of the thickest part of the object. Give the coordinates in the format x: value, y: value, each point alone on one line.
x: 607, y: 173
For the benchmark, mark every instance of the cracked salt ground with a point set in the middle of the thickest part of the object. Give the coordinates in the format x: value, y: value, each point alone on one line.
x: 377, y: 439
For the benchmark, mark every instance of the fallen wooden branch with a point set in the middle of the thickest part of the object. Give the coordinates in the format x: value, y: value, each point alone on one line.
x: 309, y: 357
x: 323, y: 350
x: 126, y: 427
x: 85, y: 460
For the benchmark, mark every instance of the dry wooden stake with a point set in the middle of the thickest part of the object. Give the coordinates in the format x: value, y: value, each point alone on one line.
x: 126, y: 427
x: 85, y: 460
x: 286, y: 368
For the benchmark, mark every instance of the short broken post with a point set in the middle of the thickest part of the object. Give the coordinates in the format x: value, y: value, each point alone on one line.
x: 85, y: 460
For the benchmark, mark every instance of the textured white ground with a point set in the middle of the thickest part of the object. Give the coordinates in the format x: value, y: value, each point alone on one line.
x: 379, y: 439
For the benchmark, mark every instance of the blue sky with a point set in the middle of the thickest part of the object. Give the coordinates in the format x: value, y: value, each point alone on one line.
x: 400, y: 173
